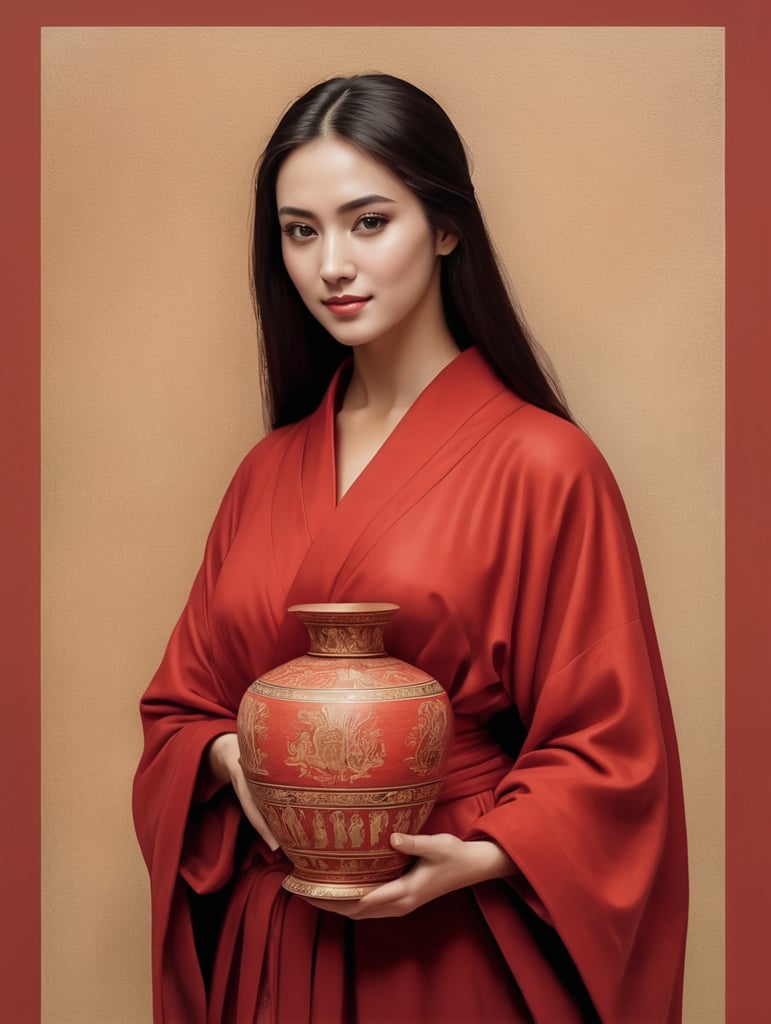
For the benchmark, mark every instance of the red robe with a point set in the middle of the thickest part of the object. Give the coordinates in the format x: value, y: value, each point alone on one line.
x: 500, y: 532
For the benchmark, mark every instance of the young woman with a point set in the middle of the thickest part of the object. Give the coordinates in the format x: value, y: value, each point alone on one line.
x: 421, y: 455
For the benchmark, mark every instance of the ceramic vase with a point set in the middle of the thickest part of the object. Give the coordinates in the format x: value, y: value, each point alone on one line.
x: 342, y: 747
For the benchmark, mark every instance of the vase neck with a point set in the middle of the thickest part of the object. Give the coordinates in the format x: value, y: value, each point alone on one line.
x: 345, y: 631
x: 330, y: 640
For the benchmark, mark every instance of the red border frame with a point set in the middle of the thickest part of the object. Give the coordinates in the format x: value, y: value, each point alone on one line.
x: 748, y: 438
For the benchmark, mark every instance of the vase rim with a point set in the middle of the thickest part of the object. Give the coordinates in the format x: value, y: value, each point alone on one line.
x: 343, y: 608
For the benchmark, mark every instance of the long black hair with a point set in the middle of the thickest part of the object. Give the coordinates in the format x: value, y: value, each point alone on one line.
x: 407, y: 131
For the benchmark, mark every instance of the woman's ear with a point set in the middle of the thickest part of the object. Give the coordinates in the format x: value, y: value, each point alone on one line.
x: 445, y: 242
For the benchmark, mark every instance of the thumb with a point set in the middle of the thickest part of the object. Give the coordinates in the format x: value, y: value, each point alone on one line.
x: 417, y: 846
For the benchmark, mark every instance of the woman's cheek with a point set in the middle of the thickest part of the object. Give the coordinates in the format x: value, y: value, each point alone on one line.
x: 396, y: 257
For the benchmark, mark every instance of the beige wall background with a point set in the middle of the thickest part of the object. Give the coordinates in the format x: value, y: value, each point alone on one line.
x: 599, y: 162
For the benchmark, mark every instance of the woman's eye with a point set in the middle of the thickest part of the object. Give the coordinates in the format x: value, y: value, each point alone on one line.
x: 371, y: 222
x: 299, y: 231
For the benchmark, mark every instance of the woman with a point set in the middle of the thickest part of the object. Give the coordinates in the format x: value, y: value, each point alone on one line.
x: 420, y: 454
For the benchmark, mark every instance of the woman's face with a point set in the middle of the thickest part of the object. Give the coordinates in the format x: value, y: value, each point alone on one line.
x: 357, y: 244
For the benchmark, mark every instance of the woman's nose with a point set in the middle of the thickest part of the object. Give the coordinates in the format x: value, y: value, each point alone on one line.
x: 336, y: 263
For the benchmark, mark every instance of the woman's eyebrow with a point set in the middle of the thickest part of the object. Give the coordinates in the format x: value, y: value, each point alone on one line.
x: 354, y: 204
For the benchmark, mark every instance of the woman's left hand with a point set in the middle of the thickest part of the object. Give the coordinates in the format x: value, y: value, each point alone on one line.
x: 444, y: 863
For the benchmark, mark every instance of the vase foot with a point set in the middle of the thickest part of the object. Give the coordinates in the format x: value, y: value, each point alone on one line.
x: 326, y: 890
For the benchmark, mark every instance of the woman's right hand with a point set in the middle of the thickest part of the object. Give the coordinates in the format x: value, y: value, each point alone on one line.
x: 225, y: 765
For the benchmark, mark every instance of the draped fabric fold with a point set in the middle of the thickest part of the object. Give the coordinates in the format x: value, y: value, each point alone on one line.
x: 500, y: 533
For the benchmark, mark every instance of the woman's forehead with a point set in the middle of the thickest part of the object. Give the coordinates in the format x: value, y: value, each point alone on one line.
x: 331, y: 171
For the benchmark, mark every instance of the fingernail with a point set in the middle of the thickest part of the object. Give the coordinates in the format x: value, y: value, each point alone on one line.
x: 396, y: 839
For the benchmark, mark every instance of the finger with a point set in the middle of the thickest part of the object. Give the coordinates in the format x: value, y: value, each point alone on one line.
x: 254, y: 815
x: 388, y: 892
x: 431, y: 847
x: 383, y: 908
x: 262, y: 827
x: 374, y: 904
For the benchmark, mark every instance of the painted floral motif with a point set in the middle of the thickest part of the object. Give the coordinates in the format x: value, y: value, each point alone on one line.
x: 427, y: 737
x: 340, y: 744
x: 252, y: 726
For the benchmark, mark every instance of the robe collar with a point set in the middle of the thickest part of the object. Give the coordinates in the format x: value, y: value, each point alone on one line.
x: 444, y: 406
x: 450, y: 416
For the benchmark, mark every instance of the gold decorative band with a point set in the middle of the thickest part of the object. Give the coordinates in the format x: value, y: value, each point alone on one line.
x: 395, y: 797
x: 326, y: 890
x: 327, y: 696
x: 308, y: 859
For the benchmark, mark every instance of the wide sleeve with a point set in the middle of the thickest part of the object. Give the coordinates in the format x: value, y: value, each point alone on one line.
x: 187, y: 835
x: 591, y: 811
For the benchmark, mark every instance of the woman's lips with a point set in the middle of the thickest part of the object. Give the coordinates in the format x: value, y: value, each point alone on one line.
x: 346, y: 305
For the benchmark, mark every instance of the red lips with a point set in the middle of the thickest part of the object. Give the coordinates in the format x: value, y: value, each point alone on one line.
x: 346, y: 305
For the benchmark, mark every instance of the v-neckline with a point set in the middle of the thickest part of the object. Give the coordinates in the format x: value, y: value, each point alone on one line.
x: 337, y: 386
x: 431, y: 421
x: 458, y: 407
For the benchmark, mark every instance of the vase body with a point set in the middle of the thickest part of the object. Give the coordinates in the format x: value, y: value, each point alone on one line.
x: 342, y: 747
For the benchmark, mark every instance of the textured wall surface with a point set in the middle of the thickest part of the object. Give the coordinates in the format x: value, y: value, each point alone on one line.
x: 599, y: 162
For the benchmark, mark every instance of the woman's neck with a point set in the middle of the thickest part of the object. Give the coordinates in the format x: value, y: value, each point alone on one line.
x: 388, y: 377
x: 386, y: 380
